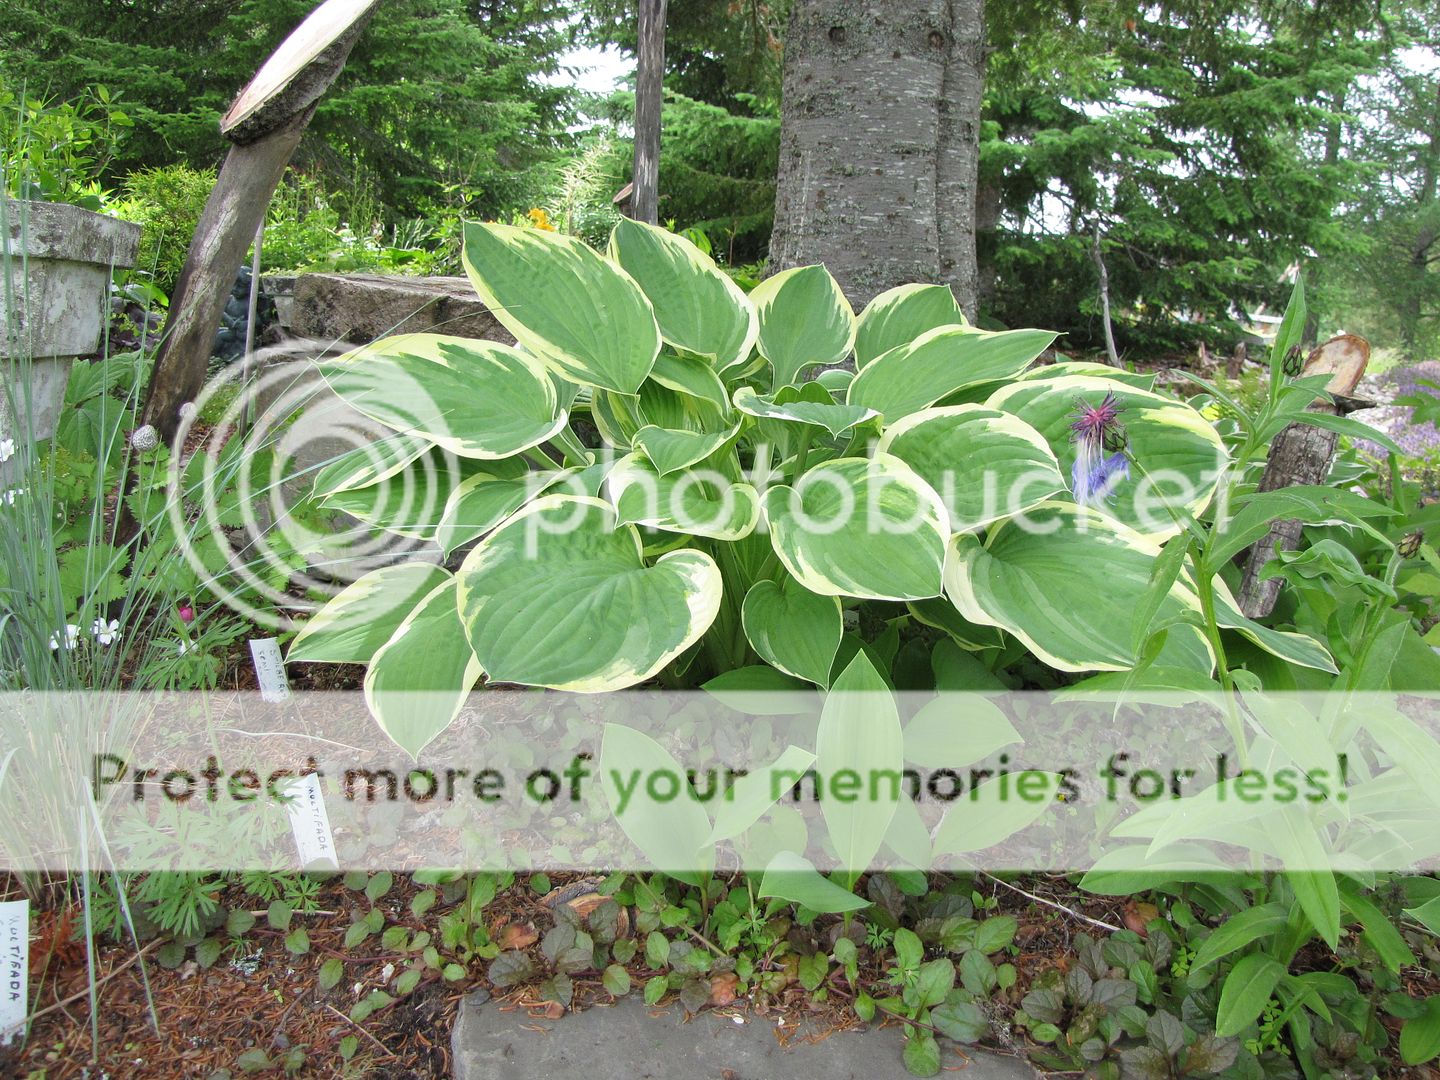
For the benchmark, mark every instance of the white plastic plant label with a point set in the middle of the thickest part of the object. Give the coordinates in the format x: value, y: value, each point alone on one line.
x: 270, y: 669
x: 309, y: 822
x: 15, y: 966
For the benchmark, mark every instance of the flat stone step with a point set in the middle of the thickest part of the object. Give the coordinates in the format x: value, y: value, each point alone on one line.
x: 630, y: 1041
x: 358, y: 308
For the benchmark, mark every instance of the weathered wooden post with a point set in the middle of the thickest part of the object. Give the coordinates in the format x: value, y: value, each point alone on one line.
x: 264, y: 125
x: 1301, y: 454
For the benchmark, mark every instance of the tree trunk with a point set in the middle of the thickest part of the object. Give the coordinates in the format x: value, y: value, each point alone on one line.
x: 879, y: 143
x: 649, y: 98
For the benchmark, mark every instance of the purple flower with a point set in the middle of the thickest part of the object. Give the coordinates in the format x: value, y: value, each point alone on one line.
x: 1100, y: 440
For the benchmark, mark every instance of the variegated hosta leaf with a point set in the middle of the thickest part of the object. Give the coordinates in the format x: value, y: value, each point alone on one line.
x: 699, y: 308
x: 473, y: 398
x: 486, y: 499
x: 1180, y: 457
x: 805, y: 320
x: 692, y: 377
x: 698, y: 503
x: 808, y: 403
x: 985, y: 464
x: 411, y: 502
x: 1141, y: 380
x: 793, y: 628
x: 902, y: 314
x: 418, y: 680
x: 558, y: 596
x: 670, y: 451
x: 863, y: 527
x: 362, y: 616
x: 1067, y: 580
x: 572, y: 307
x: 368, y: 464
x: 917, y: 374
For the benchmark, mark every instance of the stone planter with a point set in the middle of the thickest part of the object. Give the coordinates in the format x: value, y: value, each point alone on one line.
x: 56, y: 268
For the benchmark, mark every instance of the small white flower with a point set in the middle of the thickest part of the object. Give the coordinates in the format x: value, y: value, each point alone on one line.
x: 105, y: 632
x: 7, y: 450
x: 145, y: 437
x: 9, y: 497
x: 72, y: 637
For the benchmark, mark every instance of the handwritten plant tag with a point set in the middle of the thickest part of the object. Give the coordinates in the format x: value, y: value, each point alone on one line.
x: 14, y: 967
x: 270, y: 670
x: 310, y: 823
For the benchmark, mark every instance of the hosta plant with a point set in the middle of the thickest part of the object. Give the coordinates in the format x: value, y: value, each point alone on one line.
x: 666, y: 479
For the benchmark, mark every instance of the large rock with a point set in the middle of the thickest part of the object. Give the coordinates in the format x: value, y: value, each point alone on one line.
x: 358, y: 308
x: 632, y: 1042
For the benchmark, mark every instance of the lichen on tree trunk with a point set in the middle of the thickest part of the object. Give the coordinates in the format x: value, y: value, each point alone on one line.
x: 879, y: 143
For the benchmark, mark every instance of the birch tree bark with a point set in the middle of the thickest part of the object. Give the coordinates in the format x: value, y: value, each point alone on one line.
x: 879, y: 143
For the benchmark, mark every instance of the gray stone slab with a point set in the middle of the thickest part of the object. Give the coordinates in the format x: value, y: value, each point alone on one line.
x: 632, y: 1042
x: 358, y: 308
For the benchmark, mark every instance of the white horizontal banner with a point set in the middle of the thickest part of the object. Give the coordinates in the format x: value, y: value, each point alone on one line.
x: 698, y: 782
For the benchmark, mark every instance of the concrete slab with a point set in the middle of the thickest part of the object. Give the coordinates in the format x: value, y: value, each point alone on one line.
x: 630, y: 1041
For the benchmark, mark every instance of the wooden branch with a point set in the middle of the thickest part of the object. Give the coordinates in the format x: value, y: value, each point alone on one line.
x: 265, y: 125
x: 1110, y: 353
x: 1301, y: 454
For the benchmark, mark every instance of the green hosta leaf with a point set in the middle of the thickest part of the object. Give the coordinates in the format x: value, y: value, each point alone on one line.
x: 559, y: 596
x: 985, y: 464
x: 1171, y: 443
x: 1141, y: 380
x: 411, y: 502
x: 418, y: 680
x: 473, y: 398
x: 805, y: 320
x: 919, y: 373
x: 699, y: 308
x: 362, y: 616
x: 691, y: 377
x: 369, y: 464
x: 995, y: 810
x: 670, y: 450
x: 692, y: 503
x: 1067, y: 585
x: 866, y: 527
x: 793, y: 628
x: 484, y: 500
x: 791, y: 877
x: 575, y: 309
x: 809, y: 403
x: 859, y: 736
x: 902, y: 314
x: 1246, y: 990
x: 650, y: 797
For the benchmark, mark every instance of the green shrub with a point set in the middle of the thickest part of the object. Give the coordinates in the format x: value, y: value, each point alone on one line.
x: 167, y: 203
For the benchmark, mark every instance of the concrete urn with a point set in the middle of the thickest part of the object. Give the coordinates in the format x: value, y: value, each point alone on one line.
x: 54, y: 303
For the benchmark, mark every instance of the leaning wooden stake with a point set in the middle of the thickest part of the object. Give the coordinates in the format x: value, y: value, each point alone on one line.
x: 649, y: 98
x: 264, y: 124
x: 1301, y: 454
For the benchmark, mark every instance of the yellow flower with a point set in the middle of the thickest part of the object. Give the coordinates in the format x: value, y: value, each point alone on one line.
x: 540, y: 219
